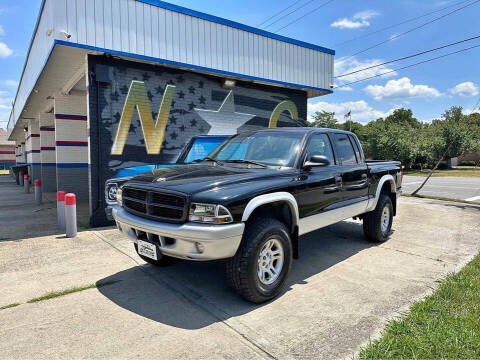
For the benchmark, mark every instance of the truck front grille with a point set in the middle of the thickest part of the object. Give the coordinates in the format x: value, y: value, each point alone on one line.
x: 155, y: 205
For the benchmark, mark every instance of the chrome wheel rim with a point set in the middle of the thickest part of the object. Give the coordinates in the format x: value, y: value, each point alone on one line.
x: 385, y: 221
x: 270, y: 261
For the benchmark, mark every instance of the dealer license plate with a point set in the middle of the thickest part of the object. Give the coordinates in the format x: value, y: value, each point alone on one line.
x: 147, y: 249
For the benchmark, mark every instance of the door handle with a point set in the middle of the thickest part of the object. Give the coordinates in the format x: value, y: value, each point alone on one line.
x: 337, y: 187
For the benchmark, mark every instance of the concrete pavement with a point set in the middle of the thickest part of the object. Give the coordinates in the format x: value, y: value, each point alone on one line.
x: 19, y: 216
x: 340, y: 293
x: 449, y: 187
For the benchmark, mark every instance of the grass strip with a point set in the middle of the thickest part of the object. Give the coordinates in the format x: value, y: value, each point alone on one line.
x: 9, y: 306
x: 467, y: 171
x: 55, y: 294
x: 441, y: 198
x: 445, y: 325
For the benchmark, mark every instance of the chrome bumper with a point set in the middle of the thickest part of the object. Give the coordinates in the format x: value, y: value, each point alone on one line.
x: 218, y: 241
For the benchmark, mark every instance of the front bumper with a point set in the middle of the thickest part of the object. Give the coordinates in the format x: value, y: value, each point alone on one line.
x: 217, y: 241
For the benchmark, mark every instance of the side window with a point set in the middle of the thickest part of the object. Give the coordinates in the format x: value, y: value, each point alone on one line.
x: 355, y: 146
x: 319, y: 144
x: 344, y: 149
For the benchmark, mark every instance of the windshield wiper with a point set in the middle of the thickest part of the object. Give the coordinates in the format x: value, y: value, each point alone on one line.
x: 208, y: 159
x: 238, y: 161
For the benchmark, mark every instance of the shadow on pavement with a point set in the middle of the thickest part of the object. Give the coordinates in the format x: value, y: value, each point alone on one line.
x: 204, y: 283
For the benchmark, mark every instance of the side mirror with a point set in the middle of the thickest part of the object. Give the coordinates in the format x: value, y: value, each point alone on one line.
x: 317, y: 160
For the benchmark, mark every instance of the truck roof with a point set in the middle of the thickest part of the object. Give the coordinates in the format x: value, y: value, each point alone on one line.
x: 303, y: 130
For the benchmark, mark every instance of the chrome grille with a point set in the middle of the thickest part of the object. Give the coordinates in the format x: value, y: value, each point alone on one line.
x: 155, y: 205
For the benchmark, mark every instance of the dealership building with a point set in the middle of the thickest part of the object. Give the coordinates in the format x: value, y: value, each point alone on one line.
x: 111, y: 84
x: 7, y: 151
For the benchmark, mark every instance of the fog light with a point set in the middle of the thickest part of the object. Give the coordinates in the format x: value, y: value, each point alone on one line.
x: 200, y: 247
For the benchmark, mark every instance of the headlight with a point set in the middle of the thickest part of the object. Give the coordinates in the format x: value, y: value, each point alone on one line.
x: 111, y: 193
x: 119, y: 196
x: 209, y: 213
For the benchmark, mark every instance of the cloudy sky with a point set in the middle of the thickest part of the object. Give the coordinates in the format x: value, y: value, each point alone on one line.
x: 348, y: 26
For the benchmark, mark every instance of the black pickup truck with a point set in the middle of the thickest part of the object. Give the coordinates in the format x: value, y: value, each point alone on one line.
x: 252, y: 197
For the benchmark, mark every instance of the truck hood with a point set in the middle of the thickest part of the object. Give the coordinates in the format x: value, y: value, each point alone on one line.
x: 207, y: 181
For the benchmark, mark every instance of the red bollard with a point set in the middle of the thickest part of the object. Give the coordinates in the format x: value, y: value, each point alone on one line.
x: 70, y: 215
x: 26, y: 183
x: 61, y: 209
x: 20, y: 176
x: 38, y: 191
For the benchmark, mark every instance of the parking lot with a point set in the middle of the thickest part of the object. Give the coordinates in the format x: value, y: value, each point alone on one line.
x: 340, y: 293
x: 449, y: 187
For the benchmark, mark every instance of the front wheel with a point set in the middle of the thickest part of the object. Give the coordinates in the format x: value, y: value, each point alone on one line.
x: 377, y: 224
x: 260, y: 267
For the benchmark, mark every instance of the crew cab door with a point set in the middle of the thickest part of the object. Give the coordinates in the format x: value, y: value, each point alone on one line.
x: 353, y: 170
x: 320, y: 186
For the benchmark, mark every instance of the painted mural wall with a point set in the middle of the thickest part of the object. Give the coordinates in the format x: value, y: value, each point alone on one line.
x: 144, y: 114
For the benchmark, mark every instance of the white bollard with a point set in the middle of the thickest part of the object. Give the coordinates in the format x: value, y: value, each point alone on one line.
x: 38, y: 191
x: 20, y: 177
x: 70, y: 215
x: 26, y: 184
x: 61, y: 209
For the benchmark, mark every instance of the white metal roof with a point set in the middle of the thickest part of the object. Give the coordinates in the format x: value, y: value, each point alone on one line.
x: 159, y: 32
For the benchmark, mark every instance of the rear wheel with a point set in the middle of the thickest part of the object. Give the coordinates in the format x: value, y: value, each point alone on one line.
x: 260, y: 267
x: 377, y: 224
x: 163, y: 260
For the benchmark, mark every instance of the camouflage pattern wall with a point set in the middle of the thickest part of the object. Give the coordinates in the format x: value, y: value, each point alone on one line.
x: 193, y: 104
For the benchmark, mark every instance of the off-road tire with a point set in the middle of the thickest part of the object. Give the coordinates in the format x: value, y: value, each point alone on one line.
x: 372, y: 221
x: 164, y: 260
x: 242, y: 268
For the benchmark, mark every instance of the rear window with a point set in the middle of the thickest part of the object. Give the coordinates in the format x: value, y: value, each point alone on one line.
x: 344, y: 149
x: 356, y: 147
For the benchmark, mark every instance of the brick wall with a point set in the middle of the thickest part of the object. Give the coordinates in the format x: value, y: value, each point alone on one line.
x: 71, y: 144
x: 32, y: 149
x: 7, y: 156
x: 47, y: 152
x: 108, y: 92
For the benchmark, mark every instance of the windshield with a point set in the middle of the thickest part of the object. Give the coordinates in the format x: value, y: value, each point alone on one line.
x: 202, y: 147
x: 269, y: 148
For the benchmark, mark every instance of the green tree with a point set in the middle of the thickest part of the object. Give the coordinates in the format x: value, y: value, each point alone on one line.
x: 324, y: 119
x: 452, y: 136
x: 473, y: 123
x: 403, y: 117
x: 397, y: 137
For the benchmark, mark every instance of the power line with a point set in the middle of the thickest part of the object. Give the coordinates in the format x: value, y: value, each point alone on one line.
x: 409, y: 66
x: 400, y: 23
x: 291, y: 12
x: 281, y: 11
x: 413, y: 29
x: 409, y: 56
x: 308, y: 13
x: 476, y: 105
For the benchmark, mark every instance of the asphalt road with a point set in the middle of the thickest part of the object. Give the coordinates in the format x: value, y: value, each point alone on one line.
x: 449, y: 187
x: 340, y: 293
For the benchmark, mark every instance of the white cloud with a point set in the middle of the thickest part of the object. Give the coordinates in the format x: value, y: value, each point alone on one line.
x: 346, y: 65
x: 470, y: 111
x: 401, y: 88
x: 12, y: 83
x: 5, y: 51
x: 466, y: 88
x: 361, y: 110
x: 358, y: 20
x: 2, y: 30
x: 5, y: 107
